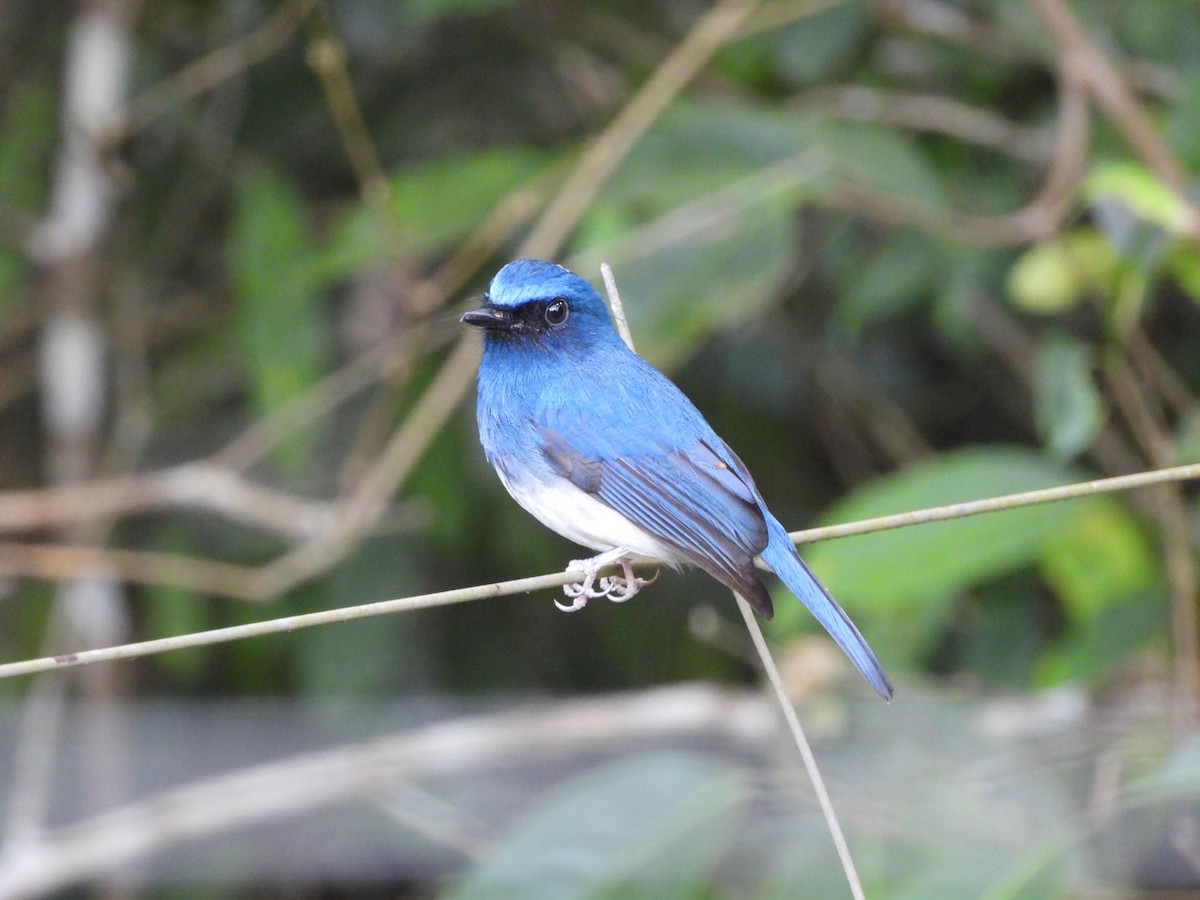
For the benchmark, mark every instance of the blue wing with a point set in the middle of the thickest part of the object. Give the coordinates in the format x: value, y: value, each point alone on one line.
x: 674, y: 478
x: 699, y: 500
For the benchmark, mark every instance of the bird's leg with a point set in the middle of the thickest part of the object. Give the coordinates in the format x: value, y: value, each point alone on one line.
x: 618, y: 588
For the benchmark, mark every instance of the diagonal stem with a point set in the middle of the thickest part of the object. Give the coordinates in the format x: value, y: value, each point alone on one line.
x: 806, y: 754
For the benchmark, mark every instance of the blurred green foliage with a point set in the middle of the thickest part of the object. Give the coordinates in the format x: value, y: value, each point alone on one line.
x: 807, y: 263
x: 279, y: 324
x: 674, y: 815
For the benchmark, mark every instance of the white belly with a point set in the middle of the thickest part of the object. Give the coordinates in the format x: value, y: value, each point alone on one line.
x: 580, y: 517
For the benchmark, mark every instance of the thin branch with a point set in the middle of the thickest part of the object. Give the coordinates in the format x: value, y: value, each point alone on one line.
x: 1093, y: 70
x: 806, y: 754
x: 284, y: 624
x: 933, y: 113
x: 227, y: 62
x: 720, y: 24
x: 614, y: 301
x: 327, y: 56
x: 200, y: 485
x: 91, y: 558
x: 369, y: 499
x: 1039, y: 218
x: 997, y: 504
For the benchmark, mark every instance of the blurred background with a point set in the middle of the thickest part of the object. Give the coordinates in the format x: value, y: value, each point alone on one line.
x: 900, y: 252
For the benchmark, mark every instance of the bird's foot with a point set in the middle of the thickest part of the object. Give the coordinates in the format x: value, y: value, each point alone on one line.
x: 620, y: 588
x: 617, y: 588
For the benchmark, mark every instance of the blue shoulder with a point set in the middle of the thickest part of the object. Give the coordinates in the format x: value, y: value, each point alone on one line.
x: 624, y: 407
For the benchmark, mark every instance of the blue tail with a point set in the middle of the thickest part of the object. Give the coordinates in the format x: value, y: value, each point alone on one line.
x: 781, y: 556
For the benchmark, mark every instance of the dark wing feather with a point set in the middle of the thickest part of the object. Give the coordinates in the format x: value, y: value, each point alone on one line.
x: 586, y: 474
x: 694, y: 501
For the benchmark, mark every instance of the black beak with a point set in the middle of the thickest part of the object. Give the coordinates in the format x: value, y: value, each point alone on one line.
x: 496, y: 318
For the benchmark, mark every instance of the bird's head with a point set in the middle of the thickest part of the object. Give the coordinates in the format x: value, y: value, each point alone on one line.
x: 535, y: 303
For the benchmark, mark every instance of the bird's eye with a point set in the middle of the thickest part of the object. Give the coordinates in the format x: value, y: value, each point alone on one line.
x: 557, y: 312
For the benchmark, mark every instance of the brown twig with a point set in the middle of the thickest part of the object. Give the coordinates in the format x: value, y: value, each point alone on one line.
x: 327, y: 56
x: 931, y: 113
x: 199, y: 485
x: 1036, y: 220
x: 63, y: 562
x: 228, y: 61
x: 605, y: 153
x: 1096, y: 74
x: 358, y: 512
x: 951, y: 23
x: 1178, y: 552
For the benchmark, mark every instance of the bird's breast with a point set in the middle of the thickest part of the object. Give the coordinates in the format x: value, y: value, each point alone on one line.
x: 580, y: 517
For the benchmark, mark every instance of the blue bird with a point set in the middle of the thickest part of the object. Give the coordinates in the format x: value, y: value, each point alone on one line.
x: 602, y: 448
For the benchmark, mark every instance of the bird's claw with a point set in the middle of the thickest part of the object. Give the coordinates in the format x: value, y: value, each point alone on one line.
x: 617, y: 588
x: 579, y: 601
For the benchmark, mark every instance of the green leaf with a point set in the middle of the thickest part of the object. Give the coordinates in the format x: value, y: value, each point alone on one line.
x: 1053, y: 276
x: 696, y: 150
x: 1067, y: 406
x: 688, y: 283
x: 889, y: 284
x: 279, y: 323
x: 1108, y: 578
x: 821, y: 44
x: 26, y: 136
x: 880, y: 159
x: 645, y: 826
x: 434, y: 204
x: 1181, y: 128
x: 1135, y: 187
x: 908, y: 577
x: 1099, y: 556
x: 1043, y: 280
x: 699, y: 241
x: 1183, y: 262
